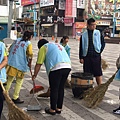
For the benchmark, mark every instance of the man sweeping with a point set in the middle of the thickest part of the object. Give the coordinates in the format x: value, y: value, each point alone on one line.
x: 90, y: 49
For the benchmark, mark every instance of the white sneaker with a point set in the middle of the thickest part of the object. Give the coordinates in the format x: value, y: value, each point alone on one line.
x: 117, y: 111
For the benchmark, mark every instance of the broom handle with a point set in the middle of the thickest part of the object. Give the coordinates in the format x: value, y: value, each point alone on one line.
x: 2, y: 86
x: 111, y: 78
x: 31, y: 76
x: 119, y: 97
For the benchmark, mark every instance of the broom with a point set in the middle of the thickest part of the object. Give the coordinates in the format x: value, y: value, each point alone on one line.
x: 15, y: 113
x: 104, y: 64
x: 94, y: 96
x: 36, y: 88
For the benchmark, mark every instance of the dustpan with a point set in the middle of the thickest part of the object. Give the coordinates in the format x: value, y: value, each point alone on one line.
x: 33, y: 107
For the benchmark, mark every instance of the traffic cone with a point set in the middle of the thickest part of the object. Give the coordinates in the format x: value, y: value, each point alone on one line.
x: 53, y: 37
x: 56, y: 41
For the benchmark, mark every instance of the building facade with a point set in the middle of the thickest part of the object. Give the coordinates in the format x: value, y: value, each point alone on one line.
x: 68, y: 17
x: 3, y: 18
x: 56, y: 17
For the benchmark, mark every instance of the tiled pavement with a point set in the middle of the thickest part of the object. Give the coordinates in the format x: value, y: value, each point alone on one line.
x: 74, y: 109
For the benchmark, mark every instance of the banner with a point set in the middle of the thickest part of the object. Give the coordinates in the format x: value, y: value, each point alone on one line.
x: 44, y: 3
x: 61, y: 4
x: 81, y: 4
x: 74, y: 9
x: 68, y: 8
x: 28, y: 2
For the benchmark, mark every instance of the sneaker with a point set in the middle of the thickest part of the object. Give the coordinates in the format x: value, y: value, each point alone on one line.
x: 18, y: 101
x: 117, y: 111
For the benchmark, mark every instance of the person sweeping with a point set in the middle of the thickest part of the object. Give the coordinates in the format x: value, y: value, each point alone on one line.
x: 3, y: 63
x: 64, y: 43
x: 58, y: 67
x: 19, y: 62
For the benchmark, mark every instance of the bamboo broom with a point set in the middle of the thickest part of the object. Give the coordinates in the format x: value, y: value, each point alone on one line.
x: 15, y: 113
x: 94, y: 96
x: 104, y: 64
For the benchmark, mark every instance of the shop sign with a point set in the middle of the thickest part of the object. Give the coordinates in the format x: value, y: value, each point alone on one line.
x: 80, y: 25
x: 51, y: 19
x: 74, y: 10
x: 118, y: 23
x: 101, y: 9
x: 61, y: 4
x: 68, y: 8
x: 104, y: 23
x: 117, y: 28
x: 68, y: 20
x: 68, y: 24
x: 81, y: 4
x: 44, y: 3
x: 28, y: 2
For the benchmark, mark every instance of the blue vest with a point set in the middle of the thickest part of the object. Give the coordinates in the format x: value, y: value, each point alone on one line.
x: 3, y: 70
x: 117, y: 76
x: 17, y: 56
x: 67, y: 48
x: 96, y: 41
x: 55, y: 54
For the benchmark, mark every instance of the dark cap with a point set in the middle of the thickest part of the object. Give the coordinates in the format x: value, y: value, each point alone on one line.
x: 42, y: 42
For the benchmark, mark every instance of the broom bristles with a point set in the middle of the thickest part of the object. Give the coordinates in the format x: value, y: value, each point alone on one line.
x: 94, y: 96
x: 104, y: 64
x: 15, y: 113
x: 36, y: 89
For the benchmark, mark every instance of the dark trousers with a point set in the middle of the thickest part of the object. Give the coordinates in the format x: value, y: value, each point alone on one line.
x: 93, y: 65
x: 57, y: 81
x: 1, y: 100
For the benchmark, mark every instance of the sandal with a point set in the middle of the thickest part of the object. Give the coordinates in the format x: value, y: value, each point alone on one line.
x: 47, y: 110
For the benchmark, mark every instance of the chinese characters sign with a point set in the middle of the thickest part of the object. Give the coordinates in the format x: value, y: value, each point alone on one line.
x: 44, y: 3
x: 28, y: 2
x: 81, y: 4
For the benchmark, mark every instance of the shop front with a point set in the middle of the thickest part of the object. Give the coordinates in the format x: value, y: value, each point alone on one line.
x: 102, y: 24
x: 79, y: 28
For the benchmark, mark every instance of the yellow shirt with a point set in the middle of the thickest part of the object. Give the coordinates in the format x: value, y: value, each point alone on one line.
x: 11, y: 71
x: 41, y: 55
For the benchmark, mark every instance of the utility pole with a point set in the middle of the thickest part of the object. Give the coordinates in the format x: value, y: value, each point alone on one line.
x: 15, y: 10
x: 114, y: 18
x: 10, y: 17
x: 39, y: 20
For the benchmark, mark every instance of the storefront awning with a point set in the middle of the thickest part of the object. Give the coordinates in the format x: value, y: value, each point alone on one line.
x: 3, y: 19
x: 46, y: 25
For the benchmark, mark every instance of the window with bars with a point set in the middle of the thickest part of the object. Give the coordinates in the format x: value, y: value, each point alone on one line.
x: 3, y: 2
